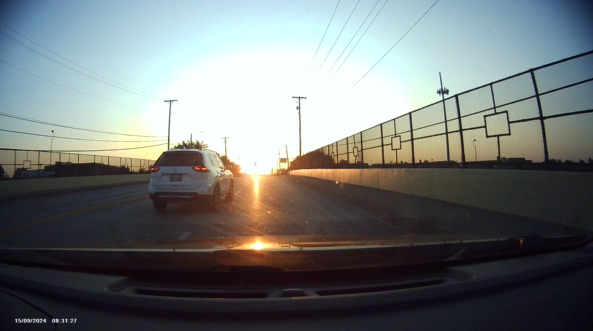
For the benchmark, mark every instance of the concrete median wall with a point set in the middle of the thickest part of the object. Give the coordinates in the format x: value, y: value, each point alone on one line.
x: 559, y: 197
x: 25, y: 187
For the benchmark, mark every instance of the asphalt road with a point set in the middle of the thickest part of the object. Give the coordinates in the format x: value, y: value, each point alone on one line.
x: 264, y: 205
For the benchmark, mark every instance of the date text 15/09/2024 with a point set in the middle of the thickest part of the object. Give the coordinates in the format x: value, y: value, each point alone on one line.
x: 44, y: 320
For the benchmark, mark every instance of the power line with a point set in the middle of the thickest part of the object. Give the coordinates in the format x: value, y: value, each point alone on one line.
x: 51, y: 81
x: 72, y: 127
x: 359, y: 39
x: 330, y: 50
x: 355, y: 33
x: 94, y: 73
x: 85, y: 139
x: 67, y: 66
x: 107, y: 150
x: 328, y: 24
x: 392, y: 47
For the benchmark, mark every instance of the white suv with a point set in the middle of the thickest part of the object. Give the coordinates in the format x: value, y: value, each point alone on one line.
x: 189, y: 175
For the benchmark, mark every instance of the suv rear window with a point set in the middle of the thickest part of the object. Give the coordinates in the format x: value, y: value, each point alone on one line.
x: 180, y: 159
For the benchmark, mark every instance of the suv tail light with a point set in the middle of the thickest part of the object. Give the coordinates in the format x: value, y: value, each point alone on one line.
x: 201, y: 168
x: 155, y: 168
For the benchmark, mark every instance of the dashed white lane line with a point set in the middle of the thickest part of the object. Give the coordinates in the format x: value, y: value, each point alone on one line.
x: 185, y: 235
x: 239, y: 191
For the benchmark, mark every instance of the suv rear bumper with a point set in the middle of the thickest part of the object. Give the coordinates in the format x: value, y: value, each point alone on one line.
x: 176, y: 196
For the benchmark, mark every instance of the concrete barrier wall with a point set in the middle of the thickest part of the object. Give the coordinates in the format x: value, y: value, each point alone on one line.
x: 26, y: 186
x: 559, y: 197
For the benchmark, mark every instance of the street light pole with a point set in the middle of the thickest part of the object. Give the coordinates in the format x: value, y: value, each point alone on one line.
x: 51, y: 148
x: 442, y: 91
x: 475, y: 150
x: 169, y: 133
x: 299, y: 109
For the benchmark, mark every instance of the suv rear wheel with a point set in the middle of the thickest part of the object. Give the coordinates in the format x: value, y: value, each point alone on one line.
x: 159, y: 205
x: 215, y: 200
x: 229, y: 197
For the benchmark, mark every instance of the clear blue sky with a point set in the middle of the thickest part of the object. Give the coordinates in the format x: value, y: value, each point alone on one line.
x: 234, y: 66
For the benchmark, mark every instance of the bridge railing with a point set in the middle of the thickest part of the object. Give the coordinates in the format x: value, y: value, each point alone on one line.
x: 21, y: 163
x: 541, y: 118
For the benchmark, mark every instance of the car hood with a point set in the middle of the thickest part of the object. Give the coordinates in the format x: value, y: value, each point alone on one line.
x: 284, y: 253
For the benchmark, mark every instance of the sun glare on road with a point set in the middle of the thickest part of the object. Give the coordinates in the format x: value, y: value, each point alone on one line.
x: 255, y: 185
x: 255, y: 190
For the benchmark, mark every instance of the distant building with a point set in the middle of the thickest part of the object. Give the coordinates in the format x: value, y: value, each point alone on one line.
x: 514, y: 160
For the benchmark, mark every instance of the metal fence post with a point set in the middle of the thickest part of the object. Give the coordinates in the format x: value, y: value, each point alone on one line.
x: 347, y: 153
x: 541, y: 117
x: 446, y: 128
x: 412, y: 140
x: 494, y: 106
x: 460, y: 131
x: 395, y: 134
x: 361, y: 151
x: 382, y: 149
x: 337, y: 155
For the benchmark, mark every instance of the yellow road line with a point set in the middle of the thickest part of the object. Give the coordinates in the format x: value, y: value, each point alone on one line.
x: 70, y: 213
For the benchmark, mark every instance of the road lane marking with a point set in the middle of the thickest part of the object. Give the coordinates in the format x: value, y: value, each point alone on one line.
x: 66, y: 214
x: 185, y: 235
x: 239, y: 191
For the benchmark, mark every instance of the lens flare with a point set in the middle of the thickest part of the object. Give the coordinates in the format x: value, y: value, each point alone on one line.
x: 257, y: 245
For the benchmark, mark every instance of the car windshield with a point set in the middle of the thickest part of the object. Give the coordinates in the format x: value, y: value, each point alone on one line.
x: 317, y: 134
x: 180, y: 159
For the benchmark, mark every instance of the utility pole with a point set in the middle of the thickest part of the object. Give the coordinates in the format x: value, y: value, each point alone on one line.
x: 225, y: 138
x: 287, y: 160
x: 169, y: 134
x: 299, y: 109
x: 442, y: 91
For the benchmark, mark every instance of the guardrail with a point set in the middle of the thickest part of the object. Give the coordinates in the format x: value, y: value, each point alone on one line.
x: 541, y: 118
x: 22, y: 163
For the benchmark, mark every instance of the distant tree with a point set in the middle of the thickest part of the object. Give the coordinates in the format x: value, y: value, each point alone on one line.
x: 190, y: 144
x: 581, y: 161
x: 2, y: 172
x: 590, y: 161
x: 18, y: 173
x: 232, y: 166
x: 314, y: 160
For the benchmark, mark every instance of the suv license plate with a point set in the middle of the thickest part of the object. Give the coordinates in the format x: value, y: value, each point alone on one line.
x: 175, y: 178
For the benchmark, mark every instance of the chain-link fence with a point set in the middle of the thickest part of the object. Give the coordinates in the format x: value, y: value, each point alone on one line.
x: 20, y: 163
x: 541, y: 118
